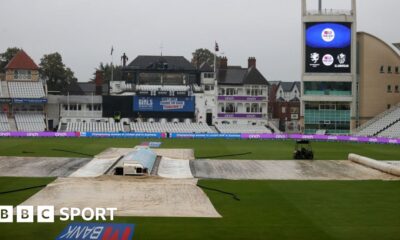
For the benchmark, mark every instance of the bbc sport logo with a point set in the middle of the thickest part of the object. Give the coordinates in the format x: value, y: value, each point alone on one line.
x: 75, y: 230
x: 46, y: 214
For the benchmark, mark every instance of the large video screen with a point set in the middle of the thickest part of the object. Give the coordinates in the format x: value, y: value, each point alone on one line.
x: 163, y: 104
x: 328, y: 47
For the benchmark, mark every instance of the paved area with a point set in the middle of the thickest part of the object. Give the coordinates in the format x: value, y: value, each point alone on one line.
x: 131, y: 196
x: 40, y: 166
x: 285, y: 170
x: 174, y: 168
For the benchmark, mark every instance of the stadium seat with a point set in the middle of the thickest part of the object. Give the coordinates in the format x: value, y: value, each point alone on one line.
x: 241, y: 128
x: 26, y: 90
x: 4, y: 126
x: 381, y: 123
x: 30, y: 122
x: 170, y: 127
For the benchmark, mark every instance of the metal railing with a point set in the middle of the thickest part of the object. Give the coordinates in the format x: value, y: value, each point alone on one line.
x: 330, y: 12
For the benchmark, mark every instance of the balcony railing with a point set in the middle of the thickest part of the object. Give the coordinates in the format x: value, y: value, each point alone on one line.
x: 330, y: 12
x: 327, y: 93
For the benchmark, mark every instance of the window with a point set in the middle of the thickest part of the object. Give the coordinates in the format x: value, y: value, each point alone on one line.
x: 22, y: 75
x: 389, y: 106
x: 283, y: 109
x: 230, y: 108
x: 389, y: 69
x: 255, y: 107
x: 389, y: 88
x: 209, y: 87
x: 294, y: 110
x: 208, y: 75
x: 382, y: 71
x: 97, y: 107
x: 230, y: 91
x: 397, y: 70
x: 396, y: 88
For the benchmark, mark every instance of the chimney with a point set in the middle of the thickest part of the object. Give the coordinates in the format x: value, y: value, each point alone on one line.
x: 252, y: 62
x: 223, y: 63
x: 99, y: 80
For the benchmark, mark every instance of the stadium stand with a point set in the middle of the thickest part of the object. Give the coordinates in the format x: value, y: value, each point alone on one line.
x: 241, y: 128
x: 170, y: 127
x: 30, y: 122
x: 381, y: 123
x: 94, y: 127
x: 4, y: 126
x: 154, y: 88
x: 26, y: 90
x: 392, y: 131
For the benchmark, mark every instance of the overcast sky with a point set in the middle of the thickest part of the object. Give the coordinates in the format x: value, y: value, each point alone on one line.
x: 83, y: 31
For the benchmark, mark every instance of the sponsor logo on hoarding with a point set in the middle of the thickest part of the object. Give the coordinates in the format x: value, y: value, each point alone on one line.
x: 171, y: 104
x: 145, y: 103
x: 97, y: 231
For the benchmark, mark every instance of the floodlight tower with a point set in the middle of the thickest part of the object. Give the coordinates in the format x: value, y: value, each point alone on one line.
x: 329, y: 69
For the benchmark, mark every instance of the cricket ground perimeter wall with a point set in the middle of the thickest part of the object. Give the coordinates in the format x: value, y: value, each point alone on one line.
x: 355, y: 139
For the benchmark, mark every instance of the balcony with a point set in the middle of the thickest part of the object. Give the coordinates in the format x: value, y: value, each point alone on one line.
x: 243, y: 98
x: 327, y: 93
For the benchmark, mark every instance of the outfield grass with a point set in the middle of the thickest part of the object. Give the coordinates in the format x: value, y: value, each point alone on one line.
x: 210, y: 148
x: 348, y: 210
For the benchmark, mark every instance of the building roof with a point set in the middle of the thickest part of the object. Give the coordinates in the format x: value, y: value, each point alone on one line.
x: 143, y: 62
x: 205, y: 67
x: 22, y: 61
x: 274, y: 82
x: 288, y: 86
x: 295, y: 99
x: 397, y: 45
x: 84, y: 88
x: 240, y: 76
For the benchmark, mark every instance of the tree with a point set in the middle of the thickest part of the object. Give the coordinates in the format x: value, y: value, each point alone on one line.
x: 202, y: 55
x: 56, y: 74
x: 6, y: 57
x: 106, y: 69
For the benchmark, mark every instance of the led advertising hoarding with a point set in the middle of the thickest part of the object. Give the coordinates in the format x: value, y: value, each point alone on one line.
x: 328, y: 48
x: 163, y: 104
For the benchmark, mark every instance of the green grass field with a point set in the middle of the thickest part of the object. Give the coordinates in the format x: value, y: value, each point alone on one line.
x: 348, y: 210
x: 259, y: 149
x: 267, y: 210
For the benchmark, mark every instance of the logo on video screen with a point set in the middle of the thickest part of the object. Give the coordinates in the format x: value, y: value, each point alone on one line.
x: 328, y: 35
x: 314, y: 57
x: 341, y: 58
x: 328, y: 47
x: 328, y: 60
